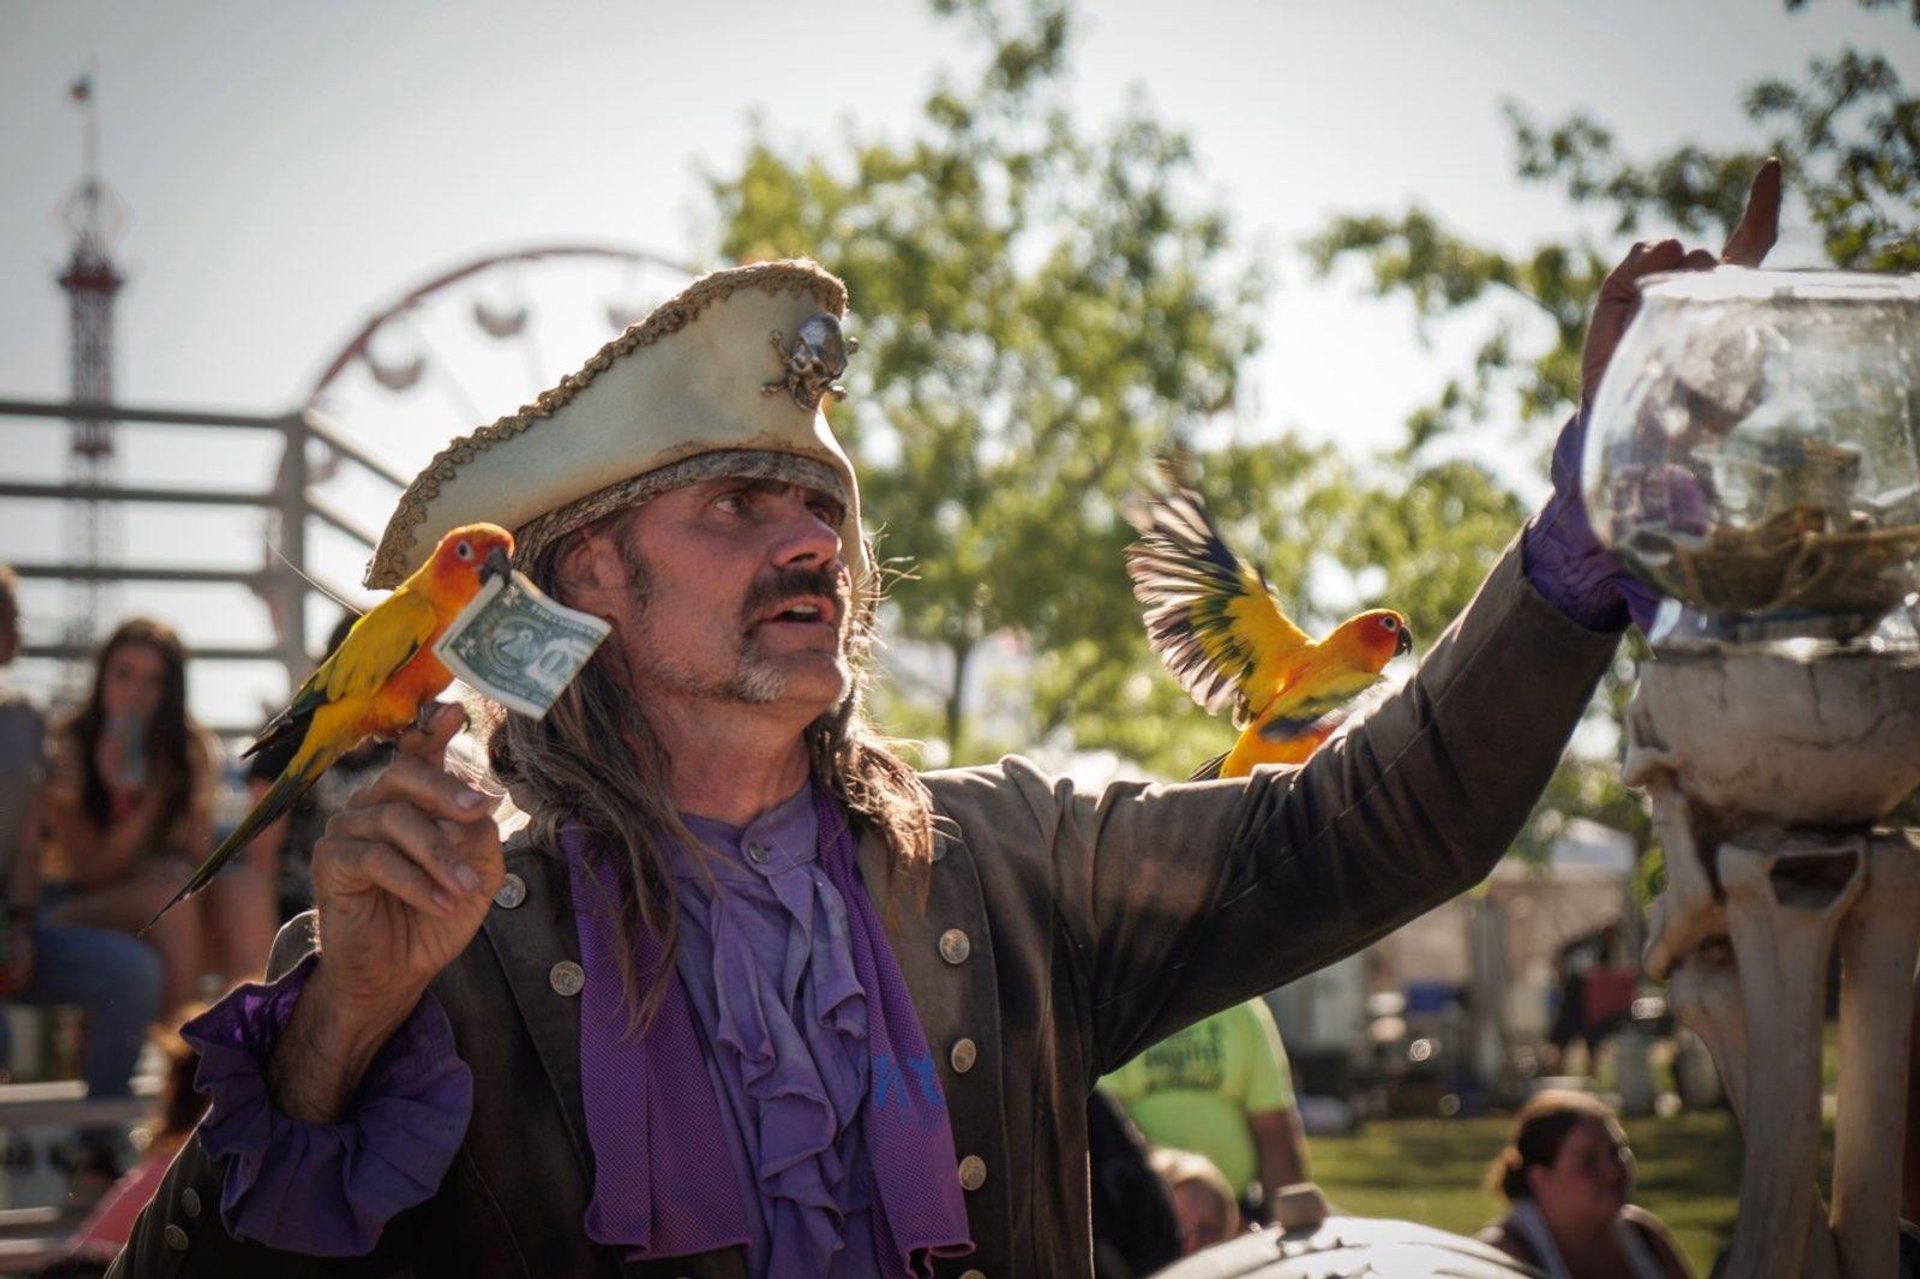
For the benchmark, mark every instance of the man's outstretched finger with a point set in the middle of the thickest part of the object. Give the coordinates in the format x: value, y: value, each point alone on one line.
x: 1621, y: 287
x: 434, y: 791
x: 1759, y: 227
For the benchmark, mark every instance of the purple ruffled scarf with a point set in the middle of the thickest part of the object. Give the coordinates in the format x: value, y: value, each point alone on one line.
x: 665, y: 1183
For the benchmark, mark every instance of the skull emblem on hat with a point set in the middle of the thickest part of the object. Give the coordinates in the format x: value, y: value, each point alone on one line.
x: 813, y: 361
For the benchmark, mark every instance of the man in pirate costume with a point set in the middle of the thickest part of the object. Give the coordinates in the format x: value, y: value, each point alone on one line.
x: 745, y: 995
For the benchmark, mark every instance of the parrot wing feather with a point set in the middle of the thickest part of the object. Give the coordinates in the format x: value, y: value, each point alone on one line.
x: 1303, y: 723
x: 1306, y: 700
x: 1326, y: 713
x: 379, y: 644
x: 1210, y: 616
x: 291, y: 724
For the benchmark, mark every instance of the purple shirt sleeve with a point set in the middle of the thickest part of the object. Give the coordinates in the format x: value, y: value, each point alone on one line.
x: 326, y: 1189
x: 1563, y: 559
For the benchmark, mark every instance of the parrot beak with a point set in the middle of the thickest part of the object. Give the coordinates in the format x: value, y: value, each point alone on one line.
x: 497, y: 565
x: 1403, y: 645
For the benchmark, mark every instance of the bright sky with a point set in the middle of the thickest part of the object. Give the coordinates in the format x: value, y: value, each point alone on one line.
x: 289, y: 169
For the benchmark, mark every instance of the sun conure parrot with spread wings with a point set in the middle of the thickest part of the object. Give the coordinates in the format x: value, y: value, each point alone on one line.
x: 377, y: 682
x: 1217, y: 625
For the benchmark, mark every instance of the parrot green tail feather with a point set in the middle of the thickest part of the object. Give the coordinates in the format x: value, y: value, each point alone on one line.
x: 280, y: 797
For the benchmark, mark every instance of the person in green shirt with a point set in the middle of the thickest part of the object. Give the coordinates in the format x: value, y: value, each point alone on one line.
x: 1222, y: 1088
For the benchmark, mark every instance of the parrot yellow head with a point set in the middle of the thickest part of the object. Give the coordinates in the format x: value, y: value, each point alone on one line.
x: 1372, y: 639
x: 466, y: 558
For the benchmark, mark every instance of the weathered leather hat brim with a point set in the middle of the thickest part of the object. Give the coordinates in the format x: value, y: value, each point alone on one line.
x: 706, y: 385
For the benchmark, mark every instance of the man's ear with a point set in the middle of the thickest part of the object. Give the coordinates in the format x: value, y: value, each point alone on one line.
x: 589, y: 574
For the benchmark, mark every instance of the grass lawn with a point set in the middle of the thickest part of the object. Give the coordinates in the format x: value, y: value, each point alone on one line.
x: 1430, y: 1171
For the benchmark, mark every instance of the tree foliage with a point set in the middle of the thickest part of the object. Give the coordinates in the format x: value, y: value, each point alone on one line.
x: 1041, y: 307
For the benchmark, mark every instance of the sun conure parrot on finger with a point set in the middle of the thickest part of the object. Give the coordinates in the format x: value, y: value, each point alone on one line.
x: 377, y: 682
x: 1217, y: 625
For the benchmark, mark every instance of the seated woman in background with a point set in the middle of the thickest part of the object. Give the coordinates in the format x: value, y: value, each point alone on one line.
x: 129, y: 807
x: 1567, y: 1171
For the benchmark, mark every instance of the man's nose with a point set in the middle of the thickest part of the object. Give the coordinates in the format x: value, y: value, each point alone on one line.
x: 805, y: 537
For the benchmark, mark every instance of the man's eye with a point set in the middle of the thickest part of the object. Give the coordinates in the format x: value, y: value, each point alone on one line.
x: 829, y: 512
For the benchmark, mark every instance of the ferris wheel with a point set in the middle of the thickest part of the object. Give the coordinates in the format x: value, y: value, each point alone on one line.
x: 471, y: 344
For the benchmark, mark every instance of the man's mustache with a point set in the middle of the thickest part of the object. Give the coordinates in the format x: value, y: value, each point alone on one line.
x: 778, y: 588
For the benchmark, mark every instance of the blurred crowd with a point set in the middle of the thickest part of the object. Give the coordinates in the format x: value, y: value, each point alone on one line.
x: 105, y: 811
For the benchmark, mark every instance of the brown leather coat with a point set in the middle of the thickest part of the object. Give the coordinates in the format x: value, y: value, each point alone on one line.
x: 1062, y: 934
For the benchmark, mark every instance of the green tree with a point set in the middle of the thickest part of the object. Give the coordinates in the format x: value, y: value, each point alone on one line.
x: 1849, y: 134
x: 1041, y: 307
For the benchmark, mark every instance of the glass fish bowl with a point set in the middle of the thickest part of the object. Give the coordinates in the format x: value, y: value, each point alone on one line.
x: 1754, y: 450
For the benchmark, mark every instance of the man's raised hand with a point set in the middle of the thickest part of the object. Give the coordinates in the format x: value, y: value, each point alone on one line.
x: 1619, y: 296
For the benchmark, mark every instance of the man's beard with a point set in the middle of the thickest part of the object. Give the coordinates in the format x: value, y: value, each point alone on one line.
x: 755, y: 680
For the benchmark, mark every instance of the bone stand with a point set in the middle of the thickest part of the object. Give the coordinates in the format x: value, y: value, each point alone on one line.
x: 1689, y: 950
x: 1704, y: 992
x: 1782, y: 936
x: 1748, y: 962
x: 1877, y: 947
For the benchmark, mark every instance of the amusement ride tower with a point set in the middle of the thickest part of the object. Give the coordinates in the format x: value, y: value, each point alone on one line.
x: 94, y: 216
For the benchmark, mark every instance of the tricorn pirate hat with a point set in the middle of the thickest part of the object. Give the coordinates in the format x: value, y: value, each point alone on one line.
x: 724, y: 378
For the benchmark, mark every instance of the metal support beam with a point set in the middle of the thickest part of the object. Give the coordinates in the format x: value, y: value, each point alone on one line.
x: 71, y: 410
x: 329, y: 514
x: 129, y: 493
x: 133, y: 573
x: 285, y: 589
x: 318, y: 429
x: 198, y: 653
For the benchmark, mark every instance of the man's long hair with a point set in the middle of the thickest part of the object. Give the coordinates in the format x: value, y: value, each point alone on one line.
x: 594, y: 762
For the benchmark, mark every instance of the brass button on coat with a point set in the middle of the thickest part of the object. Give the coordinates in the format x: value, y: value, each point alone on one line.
x: 954, y: 946
x: 757, y: 854
x: 513, y: 891
x: 973, y: 1274
x: 566, y: 978
x: 973, y: 1172
x: 965, y: 1053
x: 176, y: 1238
x: 190, y: 1202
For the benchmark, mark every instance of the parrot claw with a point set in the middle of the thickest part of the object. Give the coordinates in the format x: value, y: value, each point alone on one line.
x: 424, y: 713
